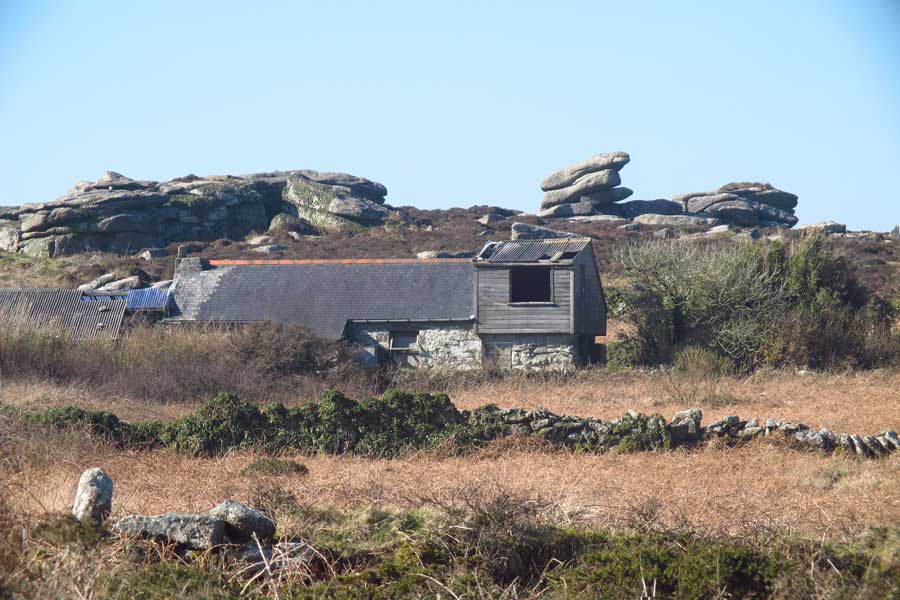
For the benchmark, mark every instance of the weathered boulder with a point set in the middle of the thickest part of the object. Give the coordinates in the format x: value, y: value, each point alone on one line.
x: 128, y: 283
x: 242, y: 522
x: 577, y: 209
x: 151, y: 253
x: 763, y: 193
x: 93, y: 498
x: 524, y: 231
x: 359, y: 209
x: 431, y: 254
x: 600, y: 162
x: 199, y: 532
x: 603, y: 197
x: 612, y: 219
x: 742, y: 203
x: 269, y: 249
x: 685, y: 426
x: 675, y: 220
x: 490, y: 219
x: 592, y: 182
x: 635, y: 208
x: 665, y: 234
x: 317, y: 202
x: 826, y: 227
x: 288, y: 223
x: 96, y: 283
x: 259, y: 240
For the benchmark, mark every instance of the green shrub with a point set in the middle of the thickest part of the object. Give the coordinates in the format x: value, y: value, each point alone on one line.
x: 274, y: 467
x: 223, y: 423
x: 750, y: 307
x: 102, y: 424
x: 703, y: 362
x: 623, y: 354
x: 170, y: 580
x: 61, y: 530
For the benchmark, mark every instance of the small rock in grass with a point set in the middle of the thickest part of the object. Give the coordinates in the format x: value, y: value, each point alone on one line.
x: 93, y: 500
x: 199, y: 532
x: 243, y: 521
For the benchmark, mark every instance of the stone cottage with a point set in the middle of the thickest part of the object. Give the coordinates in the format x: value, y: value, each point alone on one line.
x: 523, y: 304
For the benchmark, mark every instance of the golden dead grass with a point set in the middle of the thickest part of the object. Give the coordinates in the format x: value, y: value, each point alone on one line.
x: 864, y: 402
x: 741, y: 491
x: 859, y: 402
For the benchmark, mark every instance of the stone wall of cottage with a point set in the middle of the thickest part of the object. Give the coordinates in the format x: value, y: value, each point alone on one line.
x: 533, y: 352
x: 455, y: 347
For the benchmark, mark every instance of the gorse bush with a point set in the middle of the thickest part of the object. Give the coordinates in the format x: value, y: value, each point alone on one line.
x: 274, y: 467
x: 384, y: 426
x: 751, y: 305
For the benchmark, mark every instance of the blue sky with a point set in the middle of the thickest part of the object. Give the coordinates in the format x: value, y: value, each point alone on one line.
x: 467, y: 103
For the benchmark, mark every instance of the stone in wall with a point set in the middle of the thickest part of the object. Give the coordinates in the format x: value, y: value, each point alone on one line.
x: 455, y: 347
x: 532, y: 352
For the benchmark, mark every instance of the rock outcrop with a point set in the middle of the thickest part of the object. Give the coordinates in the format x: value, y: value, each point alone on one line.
x: 589, y: 188
x: 585, y: 188
x: 119, y: 214
x: 524, y: 231
x: 745, y: 204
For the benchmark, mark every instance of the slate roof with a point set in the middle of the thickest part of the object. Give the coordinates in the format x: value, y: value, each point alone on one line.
x: 324, y: 296
x: 66, y: 310
x: 524, y: 251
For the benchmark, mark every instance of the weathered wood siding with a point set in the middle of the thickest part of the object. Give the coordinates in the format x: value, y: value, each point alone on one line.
x: 590, y: 301
x: 497, y: 315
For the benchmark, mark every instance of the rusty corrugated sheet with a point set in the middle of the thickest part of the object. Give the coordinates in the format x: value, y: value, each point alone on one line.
x: 535, y: 250
x: 64, y: 310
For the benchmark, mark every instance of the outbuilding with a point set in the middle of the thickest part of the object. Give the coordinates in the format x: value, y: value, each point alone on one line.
x: 524, y: 304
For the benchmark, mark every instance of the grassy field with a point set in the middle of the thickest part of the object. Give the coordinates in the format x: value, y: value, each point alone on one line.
x: 762, y: 495
x: 512, y: 518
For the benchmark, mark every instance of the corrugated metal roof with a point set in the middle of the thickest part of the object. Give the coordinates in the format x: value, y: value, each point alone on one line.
x: 324, y: 297
x: 64, y: 310
x: 149, y: 299
x: 521, y: 251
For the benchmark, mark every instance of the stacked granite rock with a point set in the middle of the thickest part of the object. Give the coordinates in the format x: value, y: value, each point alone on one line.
x: 747, y: 204
x: 743, y: 203
x: 119, y: 214
x: 589, y: 191
x: 584, y: 189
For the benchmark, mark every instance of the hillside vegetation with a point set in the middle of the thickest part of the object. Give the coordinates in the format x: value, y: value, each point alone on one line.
x: 439, y: 492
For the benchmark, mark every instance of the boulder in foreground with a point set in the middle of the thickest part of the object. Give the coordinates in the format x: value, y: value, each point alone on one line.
x: 93, y: 499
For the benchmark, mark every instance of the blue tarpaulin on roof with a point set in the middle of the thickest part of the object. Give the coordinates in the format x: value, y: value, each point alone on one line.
x: 148, y: 299
x: 143, y: 299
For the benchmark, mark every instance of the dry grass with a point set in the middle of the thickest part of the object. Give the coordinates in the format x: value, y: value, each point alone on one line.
x: 748, y: 490
x: 859, y: 402
x: 742, y: 491
x: 863, y: 402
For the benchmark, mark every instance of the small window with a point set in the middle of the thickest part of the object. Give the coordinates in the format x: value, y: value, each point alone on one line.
x: 530, y: 284
x: 404, y: 341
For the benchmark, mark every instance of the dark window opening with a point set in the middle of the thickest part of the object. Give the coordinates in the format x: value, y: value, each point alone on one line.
x: 530, y: 284
x: 404, y: 341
